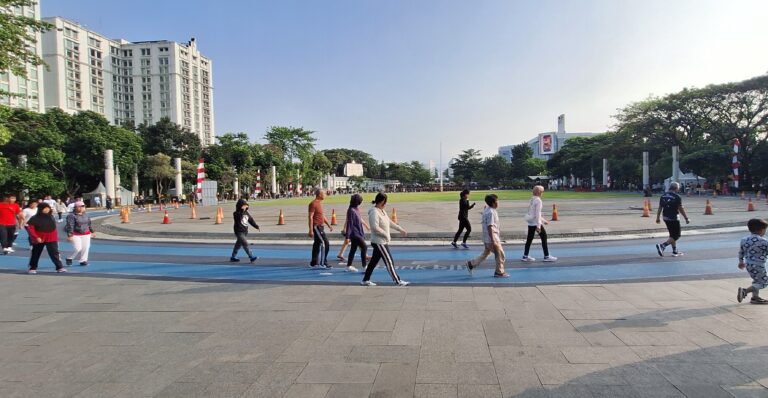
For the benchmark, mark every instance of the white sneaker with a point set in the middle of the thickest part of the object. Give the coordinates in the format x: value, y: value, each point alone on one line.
x: 351, y: 269
x: 32, y: 272
x: 403, y: 283
x: 677, y: 254
x: 10, y: 250
x: 550, y: 259
x: 528, y: 259
x: 5, y: 250
x: 367, y: 283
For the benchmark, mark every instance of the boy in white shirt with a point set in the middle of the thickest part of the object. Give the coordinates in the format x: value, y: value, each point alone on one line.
x: 491, y: 238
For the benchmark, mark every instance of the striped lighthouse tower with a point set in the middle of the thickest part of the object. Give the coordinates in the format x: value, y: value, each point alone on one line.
x: 200, y: 178
x: 735, y: 162
x: 258, y: 182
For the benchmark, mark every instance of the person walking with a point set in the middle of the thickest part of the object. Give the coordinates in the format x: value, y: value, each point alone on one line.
x: 97, y: 201
x: 61, y: 209
x: 464, y: 208
x: 536, y: 226
x: 491, y: 239
x: 109, y: 204
x: 79, y: 231
x: 380, y: 225
x: 242, y: 219
x: 354, y: 233
x: 29, y: 212
x: 52, y: 204
x: 10, y: 217
x: 317, y: 232
x: 43, y: 234
x: 753, y: 252
x: 670, y: 205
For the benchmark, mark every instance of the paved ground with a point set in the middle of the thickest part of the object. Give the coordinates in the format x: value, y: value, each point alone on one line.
x: 62, y: 336
x: 437, y: 220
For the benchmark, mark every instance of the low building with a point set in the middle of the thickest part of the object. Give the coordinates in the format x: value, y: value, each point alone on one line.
x: 544, y: 145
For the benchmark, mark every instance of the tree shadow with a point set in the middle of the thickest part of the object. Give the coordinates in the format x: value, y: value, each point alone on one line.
x: 657, y: 318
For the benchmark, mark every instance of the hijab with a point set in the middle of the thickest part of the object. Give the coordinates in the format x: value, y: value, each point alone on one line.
x: 41, y: 221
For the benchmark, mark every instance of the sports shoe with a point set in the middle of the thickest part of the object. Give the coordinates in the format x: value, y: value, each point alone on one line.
x: 350, y: 269
x: 464, y: 245
x: 501, y: 275
x: 677, y: 254
x: 470, y: 267
x: 403, y: 283
x: 83, y: 263
x: 253, y: 259
x: 758, y: 300
x: 367, y: 283
x: 10, y: 250
x: 234, y: 260
x: 61, y: 270
x: 341, y: 258
x: 312, y: 266
x: 528, y: 259
x: 32, y: 272
x: 660, y: 249
x: 454, y: 245
x: 5, y: 250
x: 69, y: 261
x: 326, y: 266
x: 741, y: 294
x: 550, y: 259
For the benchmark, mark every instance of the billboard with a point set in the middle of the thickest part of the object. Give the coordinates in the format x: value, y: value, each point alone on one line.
x: 546, y: 144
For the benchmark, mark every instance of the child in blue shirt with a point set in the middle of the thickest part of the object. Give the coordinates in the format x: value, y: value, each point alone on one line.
x: 752, y: 255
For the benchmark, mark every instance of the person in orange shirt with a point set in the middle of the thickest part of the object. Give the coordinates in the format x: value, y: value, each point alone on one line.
x: 317, y: 232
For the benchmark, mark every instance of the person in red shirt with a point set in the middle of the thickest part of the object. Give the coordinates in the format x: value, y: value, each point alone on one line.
x: 10, y: 218
x: 316, y: 231
x: 43, y: 234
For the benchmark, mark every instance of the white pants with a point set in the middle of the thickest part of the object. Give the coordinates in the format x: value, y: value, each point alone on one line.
x: 82, y: 244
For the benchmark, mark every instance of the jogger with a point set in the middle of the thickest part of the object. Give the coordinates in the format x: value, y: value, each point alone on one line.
x: 464, y: 208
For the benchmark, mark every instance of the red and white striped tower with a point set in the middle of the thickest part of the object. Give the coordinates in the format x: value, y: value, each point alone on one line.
x: 258, y: 182
x: 735, y: 162
x: 200, y: 178
x: 290, y: 186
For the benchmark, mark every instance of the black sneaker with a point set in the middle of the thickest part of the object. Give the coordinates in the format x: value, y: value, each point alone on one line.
x: 455, y: 246
x: 234, y: 260
x: 83, y: 263
x: 470, y: 267
x: 501, y: 275
x: 660, y: 249
x: 69, y: 261
x: 741, y: 294
x: 253, y: 259
x: 758, y: 300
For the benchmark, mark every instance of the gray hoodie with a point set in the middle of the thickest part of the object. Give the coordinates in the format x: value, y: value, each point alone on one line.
x: 78, y: 224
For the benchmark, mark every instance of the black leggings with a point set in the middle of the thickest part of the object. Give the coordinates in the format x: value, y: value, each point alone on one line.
x: 7, y: 235
x: 463, y: 224
x: 381, y: 252
x: 542, y: 236
x: 356, y: 242
x: 321, y: 241
x: 53, y: 253
x: 242, y: 241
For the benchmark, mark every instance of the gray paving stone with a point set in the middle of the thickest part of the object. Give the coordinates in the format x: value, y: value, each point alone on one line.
x: 349, y: 391
x: 501, y: 333
x: 275, y: 381
x: 345, y: 373
x: 395, y: 380
x: 436, y: 391
x: 384, y: 353
x: 307, y: 391
x: 478, y: 391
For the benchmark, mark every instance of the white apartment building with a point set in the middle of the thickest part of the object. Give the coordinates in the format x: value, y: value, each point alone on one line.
x: 128, y: 83
x: 30, y: 88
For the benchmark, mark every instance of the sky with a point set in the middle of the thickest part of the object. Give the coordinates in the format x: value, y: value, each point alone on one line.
x: 400, y: 79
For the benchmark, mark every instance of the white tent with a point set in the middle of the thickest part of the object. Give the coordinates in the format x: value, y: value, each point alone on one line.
x: 684, y: 179
x: 100, y: 191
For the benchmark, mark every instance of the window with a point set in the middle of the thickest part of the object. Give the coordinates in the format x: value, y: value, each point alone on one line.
x: 145, y: 62
x: 114, y: 50
x: 145, y: 52
x: 127, y: 53
x: 163, y: 49
x: 163, y: 61
x: 94, y: 42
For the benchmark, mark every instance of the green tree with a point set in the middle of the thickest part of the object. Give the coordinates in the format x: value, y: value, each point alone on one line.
x: 158, y: 168
x: 17, y: 38
x: 466, y: 166
x: 171, y: 139
x: 295, y: 143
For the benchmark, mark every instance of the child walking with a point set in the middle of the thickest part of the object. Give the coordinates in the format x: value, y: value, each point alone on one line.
x: 753, y: 252
x: 242, y: 220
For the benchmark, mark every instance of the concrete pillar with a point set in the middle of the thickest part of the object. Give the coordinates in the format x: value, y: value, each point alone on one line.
x: 135, y: 182
x: 646, y: 172
x: 179, y: 183
x: 274, y: 180
x: 605, y: 173
x: 592, y: 178
x: 236, y: 188
x: 109, y: 173
x: 675, y: 163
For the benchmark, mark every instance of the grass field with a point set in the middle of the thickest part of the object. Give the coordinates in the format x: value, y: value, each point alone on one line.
x: 476, y: 196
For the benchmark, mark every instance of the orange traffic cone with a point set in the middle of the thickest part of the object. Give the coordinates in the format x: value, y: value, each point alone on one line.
x: 394, y: 215
x: 333, y: 217
x: 194, y: 214
x: 708, y: 209
x: 646, y: 212
x: 219, y: 215
x: 149, y: 208
x: 750, y: 205
x: 281, y: 218
x: 166, y: 219
x: 124, y: 217
x: 554, y: 212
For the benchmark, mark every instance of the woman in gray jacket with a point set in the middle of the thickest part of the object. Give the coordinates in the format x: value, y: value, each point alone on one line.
x: 79, y: 232
x: 380, y: 225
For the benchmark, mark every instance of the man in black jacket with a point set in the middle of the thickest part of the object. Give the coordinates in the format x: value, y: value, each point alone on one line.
x: 464, y: 208
x: 242, y: 219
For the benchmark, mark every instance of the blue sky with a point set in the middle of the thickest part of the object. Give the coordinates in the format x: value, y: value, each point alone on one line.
x: 395, y: 78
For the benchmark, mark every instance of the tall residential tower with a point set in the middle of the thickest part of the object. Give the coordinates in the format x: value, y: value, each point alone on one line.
x: 30, y: 88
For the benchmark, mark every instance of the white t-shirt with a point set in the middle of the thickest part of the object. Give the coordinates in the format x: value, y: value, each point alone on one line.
x: 28, y: 213
x: 491, y: 217
x: 534, y: 212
